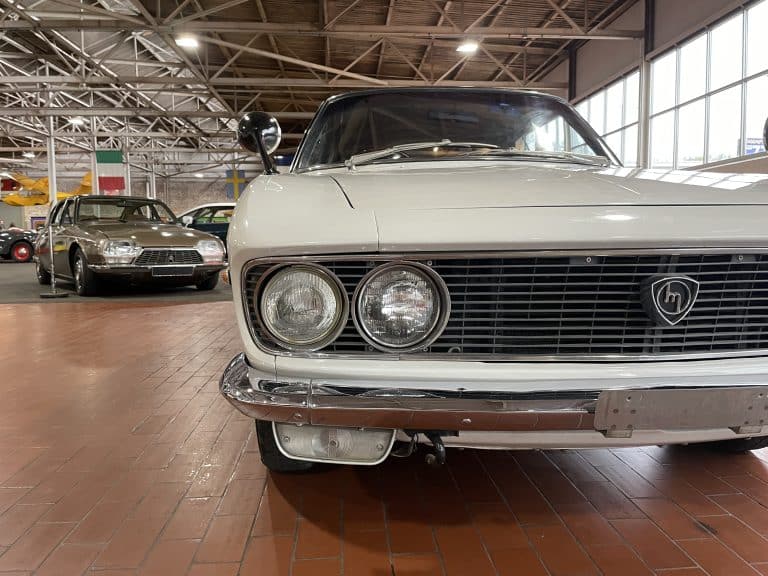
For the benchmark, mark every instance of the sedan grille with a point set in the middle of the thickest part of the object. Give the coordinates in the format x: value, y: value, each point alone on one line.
x: 159, y: 257
x: 578, y: 306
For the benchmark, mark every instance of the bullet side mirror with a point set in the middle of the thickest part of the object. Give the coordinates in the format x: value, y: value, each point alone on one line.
x: 260, y: 133
x: 765, y: 135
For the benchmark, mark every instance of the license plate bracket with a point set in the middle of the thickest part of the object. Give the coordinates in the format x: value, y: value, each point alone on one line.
x: 619, y: 412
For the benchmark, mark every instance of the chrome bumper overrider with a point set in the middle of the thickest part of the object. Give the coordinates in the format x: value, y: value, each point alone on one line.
x: 615, y: 413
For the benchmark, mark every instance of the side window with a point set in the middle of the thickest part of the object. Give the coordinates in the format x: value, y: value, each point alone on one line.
x: 65, y: 216
x: 54, y: 217
x: 222, y: 216
x: 203, y: 216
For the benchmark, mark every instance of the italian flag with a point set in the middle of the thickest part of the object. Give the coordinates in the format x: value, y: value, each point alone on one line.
x: 109, y: 164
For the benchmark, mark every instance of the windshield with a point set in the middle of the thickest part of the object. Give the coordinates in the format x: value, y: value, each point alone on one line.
x: 123, y: 210
x: 502, y: 120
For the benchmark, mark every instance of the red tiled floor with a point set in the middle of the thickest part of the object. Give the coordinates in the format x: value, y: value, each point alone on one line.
x: 135, y: 466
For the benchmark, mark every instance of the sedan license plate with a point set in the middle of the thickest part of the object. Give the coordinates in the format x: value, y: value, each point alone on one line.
x: 165, y: 271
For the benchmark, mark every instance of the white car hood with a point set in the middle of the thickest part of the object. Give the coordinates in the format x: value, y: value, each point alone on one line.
x: 482, y: 206
x: 443, y: 186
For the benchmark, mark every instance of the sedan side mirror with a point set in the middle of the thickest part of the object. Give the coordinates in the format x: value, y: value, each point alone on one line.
x: 187, y: 220
x: 260, y: 133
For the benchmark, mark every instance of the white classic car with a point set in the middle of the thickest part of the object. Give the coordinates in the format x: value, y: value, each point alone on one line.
x: 474, y: 268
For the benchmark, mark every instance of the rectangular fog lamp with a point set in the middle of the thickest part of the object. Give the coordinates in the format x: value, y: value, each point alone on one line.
x: 331, y: 444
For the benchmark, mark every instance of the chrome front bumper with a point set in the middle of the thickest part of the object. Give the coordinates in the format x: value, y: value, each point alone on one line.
x: 615, y: 413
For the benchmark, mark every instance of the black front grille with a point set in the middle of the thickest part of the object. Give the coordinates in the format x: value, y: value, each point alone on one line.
x: 579, y: 305
x: 160, y: 257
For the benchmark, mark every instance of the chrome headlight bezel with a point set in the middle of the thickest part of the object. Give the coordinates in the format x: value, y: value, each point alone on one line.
x: 342, y: 302
x: 109, y: 250
x: 443, y: 302
x: 209, y: 256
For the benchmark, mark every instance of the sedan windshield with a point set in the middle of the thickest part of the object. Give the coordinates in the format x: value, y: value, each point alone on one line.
x: 421, y: 125
x: 93, y: 210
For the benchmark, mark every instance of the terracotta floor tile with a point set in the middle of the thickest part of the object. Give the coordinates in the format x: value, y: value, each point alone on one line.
x: 321, y: 567
x: 518, y: 562
x: 590, y: 528
x: 629, y: 481
x: 75, y: 505
x: 30, y: 550
x: 753, y: 487
x: 651, y: 544
x: 576, y: 468
x: 610, y: 501
x: 738, y: 537
x: 101, y: 523
x: 250, y: 466
x: 225, y: 539
x: 366, y: 553
x: 461, y: 548
x: 746, y: 510
x: 191, y: 519
x: 716, y: 559
x: 68, y: 559
x: 318, y: 540
x: 268, y: 555
x: 419, y: 565
x: 276, y: 515
x: 618, y: 560
x: 363, y: 514
x: 671, y: 518
x: 210, y: 481
x: 230, y: 569
x: 9, y: 497
x: 169, y: 558
x: 497, y: 526
x: 410, y: 537
x: 37, y: 471
x: 131, y: 543
x: 559, y: 552
x: 18, y: 519
x: 242, y: 497
x: 682, y: 572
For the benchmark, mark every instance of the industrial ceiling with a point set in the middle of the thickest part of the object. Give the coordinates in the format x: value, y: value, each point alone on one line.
x: 166, y: 80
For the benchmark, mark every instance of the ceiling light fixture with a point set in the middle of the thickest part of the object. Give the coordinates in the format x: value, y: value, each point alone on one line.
x: 28, y: 154
x: 187, y: 42
x: 198, y: 175
x: 77, y: 121
x: 467, y: 47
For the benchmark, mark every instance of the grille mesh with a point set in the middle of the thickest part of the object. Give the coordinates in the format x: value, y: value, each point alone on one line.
x: 155, y: 257
x: 559, y: 306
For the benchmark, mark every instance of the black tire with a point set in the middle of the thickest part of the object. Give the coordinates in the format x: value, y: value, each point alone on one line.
x: 271, y: 456
x: 22, y: 251
x: 740, y: 445
x: 43, y: 276
x: 85, y: 279
x: 209, y: 283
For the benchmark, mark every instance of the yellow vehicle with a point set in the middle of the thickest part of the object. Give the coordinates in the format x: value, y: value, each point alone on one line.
x: 34, y: 192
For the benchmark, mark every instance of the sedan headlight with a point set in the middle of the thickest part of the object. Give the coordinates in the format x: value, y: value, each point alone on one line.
x: 212, y: 251
x: 303, y: 307
x: 401, y: 307
x: 119, y: 251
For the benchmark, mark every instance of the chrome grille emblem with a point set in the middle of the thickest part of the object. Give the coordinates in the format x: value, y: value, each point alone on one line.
x: 171, y: 258
x: 668, y: 299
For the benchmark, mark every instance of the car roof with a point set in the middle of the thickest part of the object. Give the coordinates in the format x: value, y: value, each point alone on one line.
x: 212, y: 204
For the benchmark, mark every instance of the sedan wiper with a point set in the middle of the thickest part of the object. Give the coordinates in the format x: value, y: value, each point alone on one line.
x: 358, y: 159
x: 560, y: 156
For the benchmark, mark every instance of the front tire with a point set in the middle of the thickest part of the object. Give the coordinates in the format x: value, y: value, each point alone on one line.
x: 271, y: 456
x: 22, y: 251
x: 85, y: 279
x: 43, y: 276
x: 740, y: 445
x: 209, y: 283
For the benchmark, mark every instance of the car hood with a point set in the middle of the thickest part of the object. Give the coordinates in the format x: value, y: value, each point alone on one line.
x: 516, y: 185
x: 149, y: 234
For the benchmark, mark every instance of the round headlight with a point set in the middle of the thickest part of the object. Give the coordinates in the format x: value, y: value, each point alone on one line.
x: 303, y: 307
x: 401, y: 306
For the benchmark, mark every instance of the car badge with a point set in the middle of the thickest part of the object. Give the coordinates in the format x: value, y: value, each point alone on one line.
x: 171, y: 258
x: 668, y: 299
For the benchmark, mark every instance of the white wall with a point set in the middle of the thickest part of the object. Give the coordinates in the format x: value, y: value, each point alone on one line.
x: 677, y: 19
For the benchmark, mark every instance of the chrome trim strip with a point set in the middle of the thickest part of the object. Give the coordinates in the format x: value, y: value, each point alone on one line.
x: 427, y: 256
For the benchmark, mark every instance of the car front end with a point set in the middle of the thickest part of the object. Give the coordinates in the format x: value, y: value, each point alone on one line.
x: 498, y: 304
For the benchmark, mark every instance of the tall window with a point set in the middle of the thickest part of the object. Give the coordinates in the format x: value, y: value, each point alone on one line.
x: 709, y: 96
x: 614, y: 113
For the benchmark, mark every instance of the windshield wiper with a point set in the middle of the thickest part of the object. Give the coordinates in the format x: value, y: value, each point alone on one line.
x: 358, y: 159
x: 547, y: 155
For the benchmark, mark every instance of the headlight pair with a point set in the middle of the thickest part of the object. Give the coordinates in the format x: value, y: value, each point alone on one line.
x: 398, y: 307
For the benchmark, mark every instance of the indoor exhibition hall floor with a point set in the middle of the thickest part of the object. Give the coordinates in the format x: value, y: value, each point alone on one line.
x: 118, y: 457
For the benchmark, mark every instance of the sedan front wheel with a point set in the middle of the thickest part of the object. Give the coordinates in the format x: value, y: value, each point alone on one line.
x: 85, y: 279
